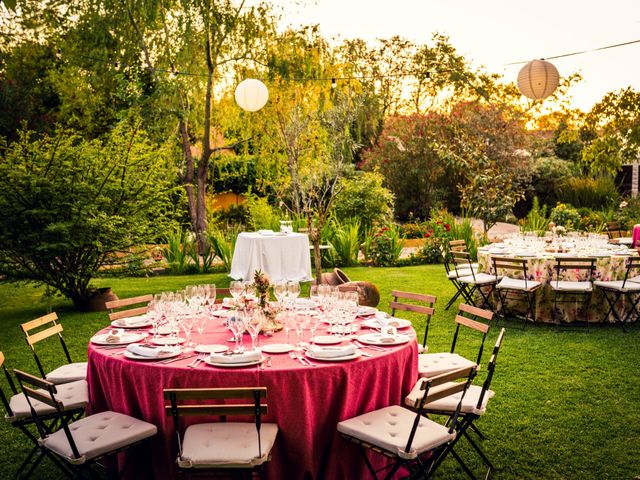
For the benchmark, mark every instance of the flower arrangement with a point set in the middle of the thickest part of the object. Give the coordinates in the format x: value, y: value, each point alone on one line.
x: 270, y: 310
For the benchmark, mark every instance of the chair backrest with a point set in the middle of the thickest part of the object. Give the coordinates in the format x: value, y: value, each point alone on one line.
x: 40, y: 329
x: 461, y: 261
x: 468, y: 316
x: 222, y: 293
x: 491, y: 368
x: 615, y: 230
x: 457, y: 245
x: 29, y: 385
x: 426, y: 309
x: 254, y: 409
x: 576, y: 264
x: 511, y: 265
x: 128, y: 302
x: 431, y: 394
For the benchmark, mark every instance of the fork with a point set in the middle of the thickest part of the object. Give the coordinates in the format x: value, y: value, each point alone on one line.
x: 305, y: 360
x: 372, y: 347
x: 197, y: 361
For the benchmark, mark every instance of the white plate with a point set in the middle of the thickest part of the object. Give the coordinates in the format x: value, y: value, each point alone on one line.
x: 164, y: 356
x: 364, y: 311
x: 374, y: 339
x: 144, y: 322
x: 355, y: 355
x: 392, y: 322
x: 223, y: 313
x: 125, y: 339
x: 208, y: 361
x: 305, y: 303
x: 167, y: 340
x: 277, y: 348
x: 327, y: 339
x: 213, y: 348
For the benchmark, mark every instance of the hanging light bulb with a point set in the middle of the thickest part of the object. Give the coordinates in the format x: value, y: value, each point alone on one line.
x: 334, y: 84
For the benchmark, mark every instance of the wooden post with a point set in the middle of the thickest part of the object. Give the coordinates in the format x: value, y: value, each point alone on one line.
x: 634, y: 179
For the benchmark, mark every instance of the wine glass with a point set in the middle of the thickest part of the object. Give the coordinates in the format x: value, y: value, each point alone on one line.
x: 254, y: 326
x: 280, y: 291
x: 236, y: 326
x: 236, y: 288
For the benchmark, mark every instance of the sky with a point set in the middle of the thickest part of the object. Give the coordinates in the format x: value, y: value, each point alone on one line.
x: 492, y: 33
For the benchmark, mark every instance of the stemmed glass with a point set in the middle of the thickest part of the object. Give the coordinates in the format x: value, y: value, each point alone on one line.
x: 236, y: 325
x: 314, y: 322
x: 301, y: 322
x: 293, y: 291
x: 280, y: 291
x: 254, y: 326
x: 186, y: 323
x: 236, y: 288
x: 209, y: 294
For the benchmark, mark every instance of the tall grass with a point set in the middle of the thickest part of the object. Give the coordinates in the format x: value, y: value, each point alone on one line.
x: 536, y: 220
x: 345, y: 241
x: 595, y: 193
x: 222, y: 246
x: 177, y: 251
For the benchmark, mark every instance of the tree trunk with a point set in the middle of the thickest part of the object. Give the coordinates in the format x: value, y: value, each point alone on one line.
x: 188, y: 175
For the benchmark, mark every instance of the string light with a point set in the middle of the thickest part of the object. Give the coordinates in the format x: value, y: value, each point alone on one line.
x: 334, y: 84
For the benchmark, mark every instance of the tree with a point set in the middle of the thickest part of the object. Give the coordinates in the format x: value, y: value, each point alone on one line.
x: 68, y: 204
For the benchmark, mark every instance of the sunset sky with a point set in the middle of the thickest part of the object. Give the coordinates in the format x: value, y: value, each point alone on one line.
x: 493, y: 33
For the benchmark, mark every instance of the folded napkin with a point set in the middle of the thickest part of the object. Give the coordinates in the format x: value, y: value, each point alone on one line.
x: 266, y: 232
x: 250, y: 356
x: 132, y: 321
x: 387, y: 338
x: 115, y: 336
x: 331, y: 352
x: 150, y: 350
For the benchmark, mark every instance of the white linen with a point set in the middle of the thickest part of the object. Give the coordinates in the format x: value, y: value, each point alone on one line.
x: 246, y: 357
x: 132, y: 321
x: 332, y: 352
x: 280, y: 257
x: 151, y: 351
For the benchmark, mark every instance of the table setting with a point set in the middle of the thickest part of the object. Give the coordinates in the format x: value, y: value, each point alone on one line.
x: 319, y: 359
x: 541, y: 254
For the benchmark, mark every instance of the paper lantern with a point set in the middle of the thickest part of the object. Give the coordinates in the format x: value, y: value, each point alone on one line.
x: 538, y: 79
x: 251, y: 95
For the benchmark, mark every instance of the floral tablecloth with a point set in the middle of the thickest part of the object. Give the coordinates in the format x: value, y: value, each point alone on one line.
x: 542, y: 269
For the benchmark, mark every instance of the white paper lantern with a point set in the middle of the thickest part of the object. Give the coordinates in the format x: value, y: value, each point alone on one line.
x: 251, y: 95
x: 538, y: 79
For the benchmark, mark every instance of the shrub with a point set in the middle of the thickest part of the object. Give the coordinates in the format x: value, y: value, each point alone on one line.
x: 386, y: 246
x: 592, y: 220
x: 262, y: 216
x: 565, y: 215
x: 363, y: 196
x: 177, y: 251
x: 413, y: 230
x: 628, y: 213
x: 432, y: 250
x: 587, y: 192
x: 548, y: 174
x: 223, y: 246
x: 68, y: 204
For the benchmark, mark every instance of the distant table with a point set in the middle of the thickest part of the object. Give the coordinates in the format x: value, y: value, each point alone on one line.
x: 280, y: 256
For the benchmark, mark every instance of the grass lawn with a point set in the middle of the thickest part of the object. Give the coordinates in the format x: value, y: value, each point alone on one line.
x: 567, y: 402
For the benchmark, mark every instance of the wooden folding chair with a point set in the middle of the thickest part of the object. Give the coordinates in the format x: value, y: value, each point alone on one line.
x: 615, y: 230
x: 565, y: 291
x: 75, y: 398
x: 427, y: 309
x: 433, y: 364
x: 77, y: 448
x: 454, y: 273
x: 511, y: 287
x: 472, y: 407
x: 471, y: 281
x: 42, y: 328
x: 412, y: 442
x: 222, y: 446
x: 617, y: 290
x: 118, y: 312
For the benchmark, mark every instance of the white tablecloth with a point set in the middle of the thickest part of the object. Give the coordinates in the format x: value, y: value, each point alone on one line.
x: 281, y: 257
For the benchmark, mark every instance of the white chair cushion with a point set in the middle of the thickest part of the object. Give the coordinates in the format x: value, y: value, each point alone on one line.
x: 432, y: 364
x: 422, y: 349
x: 68, y: 373
x: 99, y: 434
x: 567, y: 286
x: 518, y: 284
x: 617, y: 285
x: 461, y: 272
x: 480, y: 279
x: 73, y: 395
x: 389, y: 428
x: 450, y: 403
x: 635, y: 279
x: 226, y: 444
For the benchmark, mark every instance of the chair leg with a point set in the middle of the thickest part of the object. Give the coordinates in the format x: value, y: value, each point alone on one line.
x: 477, y: 431
x: 480, y: 452
x: 463, y: 465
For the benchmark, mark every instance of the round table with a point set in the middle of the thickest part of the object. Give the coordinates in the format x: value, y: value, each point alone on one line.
x: 306, y: 402
x: 541, y: 267
x: 280, y: 256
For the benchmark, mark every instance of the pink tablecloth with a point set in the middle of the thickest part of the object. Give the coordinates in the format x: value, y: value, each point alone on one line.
x: 305, y: 402
x: 635, y: 236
